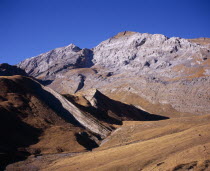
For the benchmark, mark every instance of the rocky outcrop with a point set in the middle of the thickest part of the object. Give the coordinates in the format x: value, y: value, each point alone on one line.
x: 88, y: 122
x: 153, y: 68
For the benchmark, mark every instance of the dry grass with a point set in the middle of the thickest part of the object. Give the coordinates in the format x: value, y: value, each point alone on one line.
x: 30, y: 123
x: 58, y: 139
x: 154, y: 108
x: 177, y: 145
x: 201, y: 41
x: 188, y: 72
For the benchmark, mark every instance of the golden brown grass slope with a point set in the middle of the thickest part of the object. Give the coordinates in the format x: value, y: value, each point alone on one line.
x: 32, y: 121
x: 201, y: 41
x: 175, y: 145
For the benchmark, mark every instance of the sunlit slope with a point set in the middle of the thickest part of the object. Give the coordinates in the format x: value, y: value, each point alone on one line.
x: 176, y: 144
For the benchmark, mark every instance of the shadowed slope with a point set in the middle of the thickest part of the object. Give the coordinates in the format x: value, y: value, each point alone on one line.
x: 108, y: 110
x: 34, y: 121
x: 16, y: 135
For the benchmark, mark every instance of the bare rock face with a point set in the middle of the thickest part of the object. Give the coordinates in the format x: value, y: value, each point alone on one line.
x: 57, y: 61
x: 146, y: 53
x: 151, y: 71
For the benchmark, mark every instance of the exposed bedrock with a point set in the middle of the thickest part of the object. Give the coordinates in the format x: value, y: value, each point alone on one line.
x: 160, y: 70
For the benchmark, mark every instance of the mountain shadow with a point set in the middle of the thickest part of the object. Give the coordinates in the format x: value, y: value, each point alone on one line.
x: 111, y: 111
x: 85, y: 140
x: 16, y: 136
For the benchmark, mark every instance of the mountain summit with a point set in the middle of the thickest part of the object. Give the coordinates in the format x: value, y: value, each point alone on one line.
x: 151, y: 65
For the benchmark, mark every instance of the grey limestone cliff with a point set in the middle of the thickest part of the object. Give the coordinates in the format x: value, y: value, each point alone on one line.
x: 161, y: 70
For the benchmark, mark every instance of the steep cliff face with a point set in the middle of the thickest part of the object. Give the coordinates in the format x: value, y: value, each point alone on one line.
x: 171, y: 73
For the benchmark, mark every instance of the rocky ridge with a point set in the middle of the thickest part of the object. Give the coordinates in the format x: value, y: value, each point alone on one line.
x: 152, y: 67
x: 59, y: 60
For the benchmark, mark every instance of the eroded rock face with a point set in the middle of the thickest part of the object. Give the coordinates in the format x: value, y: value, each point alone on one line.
x: 160, y: 70
x: 147, y: 53
x: 57, y: 61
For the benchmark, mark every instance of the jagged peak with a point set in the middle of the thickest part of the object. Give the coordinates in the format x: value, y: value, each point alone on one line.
x: 72, y: 46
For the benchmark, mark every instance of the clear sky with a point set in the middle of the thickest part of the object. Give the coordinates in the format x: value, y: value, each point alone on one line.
x: 31, y: 27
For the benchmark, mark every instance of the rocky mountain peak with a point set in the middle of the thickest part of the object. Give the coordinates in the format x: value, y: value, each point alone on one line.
x: 59, y: 60
x: 72, y: 47
x: 142, y: 51
x: 125, y: 51
x: 138, y: 59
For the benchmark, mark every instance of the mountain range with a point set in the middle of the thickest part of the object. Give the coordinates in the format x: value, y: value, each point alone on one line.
x: 153, y: 68
x: 139, y: 101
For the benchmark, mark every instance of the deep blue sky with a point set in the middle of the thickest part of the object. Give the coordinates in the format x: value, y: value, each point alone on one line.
x: 31, y: 27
